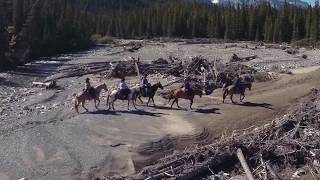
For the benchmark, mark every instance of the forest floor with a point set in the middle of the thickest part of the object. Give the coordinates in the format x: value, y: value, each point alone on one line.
x: 41, y: 135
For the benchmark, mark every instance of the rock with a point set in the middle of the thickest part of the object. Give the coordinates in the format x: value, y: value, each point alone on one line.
x: 26, y: 108
x: 292, y: 51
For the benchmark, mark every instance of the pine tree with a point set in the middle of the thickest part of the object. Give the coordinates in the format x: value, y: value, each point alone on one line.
x: 314, y: 28
x: 18, y: 16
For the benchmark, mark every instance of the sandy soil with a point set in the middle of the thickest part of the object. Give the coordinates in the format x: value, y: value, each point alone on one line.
x: 42, y: 137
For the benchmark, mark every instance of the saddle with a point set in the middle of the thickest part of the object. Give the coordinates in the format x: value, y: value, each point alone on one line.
x: 123, y: 94
x: 91, y: 92
x: 186, y: 92
x: 239, y: 89
x: 145, y: 91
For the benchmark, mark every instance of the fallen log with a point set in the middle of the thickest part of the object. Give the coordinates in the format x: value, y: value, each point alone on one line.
x: 244, y: 164
x: 47, y: 85
x: 236, y: 58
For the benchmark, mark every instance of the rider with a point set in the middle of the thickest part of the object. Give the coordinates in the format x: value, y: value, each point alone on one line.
x: 124, y: 89
x: 145, y: 84
x: 88, y: 88
x: 186, y: 86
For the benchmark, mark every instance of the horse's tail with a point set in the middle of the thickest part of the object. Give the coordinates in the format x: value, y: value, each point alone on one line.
x: 225, y: 93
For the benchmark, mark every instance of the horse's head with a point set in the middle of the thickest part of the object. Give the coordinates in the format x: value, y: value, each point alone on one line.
x: 160, y: 85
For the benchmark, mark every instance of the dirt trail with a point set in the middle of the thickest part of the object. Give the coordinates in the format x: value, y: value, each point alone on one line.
x: 264, y: 103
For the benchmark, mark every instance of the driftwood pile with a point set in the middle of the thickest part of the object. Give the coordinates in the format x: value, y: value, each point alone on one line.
x: 197, y: 69
x: 290, y: 142
x: 132, y: 46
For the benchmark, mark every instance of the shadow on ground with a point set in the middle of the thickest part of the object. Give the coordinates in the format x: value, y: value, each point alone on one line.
x: 135, y: 112
x: 208, y: 111
x: 251, y: 104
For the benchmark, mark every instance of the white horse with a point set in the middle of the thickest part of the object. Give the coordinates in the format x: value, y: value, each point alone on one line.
x: 114, y: 95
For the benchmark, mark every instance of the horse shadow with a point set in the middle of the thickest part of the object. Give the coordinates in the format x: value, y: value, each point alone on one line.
x: 164, y: 107
x: 142, y: 113
x: 251, y: 104
x: 104, y: 112
x: 208, y: 111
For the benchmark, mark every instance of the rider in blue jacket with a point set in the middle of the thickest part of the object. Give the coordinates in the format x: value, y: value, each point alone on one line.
x: 145, y: 84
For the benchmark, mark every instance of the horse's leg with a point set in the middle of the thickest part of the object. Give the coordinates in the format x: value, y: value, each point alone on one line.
x: 134, y: 105
x: 173, y: 102
x: 128, y: 104
x: 139, y: 97
x: 76, y: 105
x: 225, y: 94
x: 191, y: 102
x: 98, y: 99
x: 153, y: 101
x: 148, y: 101
x: 83, y: 102
x: 95, y: 104
x: 231, y: 97
x: 113, y: 105
x: 242, y: 96
x: 177, y: 103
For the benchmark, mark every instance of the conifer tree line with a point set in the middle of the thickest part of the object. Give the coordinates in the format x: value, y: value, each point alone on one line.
x: 189, y: 20
x: 63, y: 25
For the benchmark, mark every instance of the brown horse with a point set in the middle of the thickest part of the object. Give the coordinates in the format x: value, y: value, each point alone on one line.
x: 178, y: 93
x: 231, y: 90
x: 85, y: 96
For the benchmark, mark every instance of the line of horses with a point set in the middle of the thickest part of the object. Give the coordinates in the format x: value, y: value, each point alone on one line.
x: 137, y: 92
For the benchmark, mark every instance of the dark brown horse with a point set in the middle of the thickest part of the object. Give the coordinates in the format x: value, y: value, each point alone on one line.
x: 178, y: 93
x: 151, y: 93
x: 227, y: 80
x: 232, y: 89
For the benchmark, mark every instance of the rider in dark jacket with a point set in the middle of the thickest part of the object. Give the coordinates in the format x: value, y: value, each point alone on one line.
x: 89, y: 89
x: 237, y: 83
x: 187, y: 86
x: 145, y: 84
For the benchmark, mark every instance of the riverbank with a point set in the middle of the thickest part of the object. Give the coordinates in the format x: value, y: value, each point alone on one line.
x: 41, y: 135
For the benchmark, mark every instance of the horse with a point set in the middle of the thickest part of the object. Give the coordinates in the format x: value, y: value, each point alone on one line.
x: 114, y: 95
x: 150, y: 94
x: 226, y: 81
x: 231, y: 90
x: 83, y: 96
x: 178, y: 93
